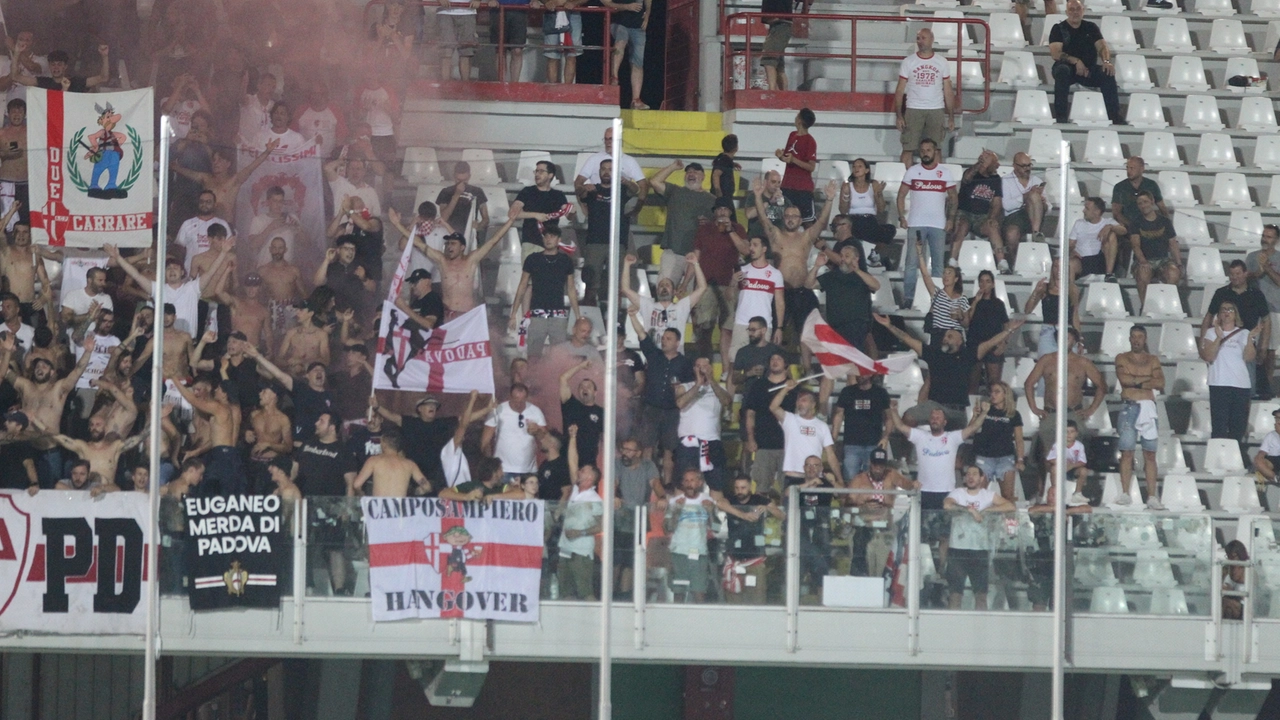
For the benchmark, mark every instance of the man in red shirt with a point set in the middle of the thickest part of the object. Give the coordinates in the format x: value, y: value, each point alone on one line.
x: 720, y: 245
x: 801, y: 157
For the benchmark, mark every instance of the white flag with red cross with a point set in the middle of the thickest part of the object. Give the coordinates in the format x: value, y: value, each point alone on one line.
x: 839, y: 357
x: 90, y: 159
x: 432, y: 558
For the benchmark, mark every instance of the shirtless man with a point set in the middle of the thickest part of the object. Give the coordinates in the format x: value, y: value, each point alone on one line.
x: 119, y: 412
x: 222, y: 462
x: 102, y: 450
x: 188, y: 479
x: 248, y: 314
x: 13, y: 160
x: 792, y: 243
x: 225, y: 184
x: 82, y: 478
x: 391, y: 472
x: 43, y: 398
x: 283, y: 281
x: 206, y: 263
x: 458, y: 268
x: 1079, y: 368
x: 18, y: 265
x: 1139, y: 375
x: 272, y: 430
x: 281, y: 472
x: 305, y: 344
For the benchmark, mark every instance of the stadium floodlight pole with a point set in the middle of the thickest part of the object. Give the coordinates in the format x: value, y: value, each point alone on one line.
x: 152, y: 650
x: 1060, y: 437
x: 610, y: 439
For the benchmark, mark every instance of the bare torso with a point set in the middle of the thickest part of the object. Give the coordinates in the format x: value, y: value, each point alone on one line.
x: 119, y: 418
x: 14, y: 169
x: 272, y: 428
x: 458, y: 278
x: 43, y: 403
x: 391, y: 475
x: 1077, y: 371
x: 202, y: 263
x: 250, y: 318
x: 793, y: 257
x: 177, y: 357
x: 280, y: 280
x: 103, y: 457
x: 1142, y: 366
x: 18, y: 266
x: 303, y: 349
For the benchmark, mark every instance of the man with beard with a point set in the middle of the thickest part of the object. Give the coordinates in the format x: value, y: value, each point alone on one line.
x: 752, y: 360
x: 850, y: 290
x: 11, y: 313
x: 720, y: 246
x: 1079, y: 368
x: 274, y: 222
x: 284, y: 286
x: 1140, y: 376
x: 932, y: 191
x: 310, y: 395
x: 43, y: 399
x: 80, y: 306
x: 687, y: 205
x: 193, y: 235
x: 804, y: 434
x: 701, y: 403
x: 272, y: 434
x: 81, y: 478
x: 664, y: 368
x: 979, y: 206
x: 101, y: 450
x: 745, y: 578
x: 548, y: 276
x: 663, y: 311
x: 936, y: 450
x: 580, y: 408
x: 458, y: 268
x: 761, y: 294
x: 875, y: 509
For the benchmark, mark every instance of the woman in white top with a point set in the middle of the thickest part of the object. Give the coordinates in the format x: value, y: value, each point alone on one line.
x: 1228, y: 348
x: 950, y: 308
x: 863, y: 201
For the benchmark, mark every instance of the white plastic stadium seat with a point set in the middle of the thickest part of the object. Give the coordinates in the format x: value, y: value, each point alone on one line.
x: 976, y: 256
x: 1169, y: 601
x: 1273, y: 195
x: 1104, y: 300
x: 1172, y: 35
x: 484, y: 171
x: 1178, y: 341
x: 1103, y: 148
x: 1244, y: 228
x: 1115, y: 337
x: 1266, y: 8
x: 1190, y: 377
x: 1018, y: 70
x: 1146, y: 111
x: 1191, y: 226
x: 1109, y: 601
x: 1204, y: 265
x: 945, y: 34
x: 1153, y: 569
x: 1103, y: 7
x: 1132, y: 73
x: 1186, y: 72
x: 1216, y: 151
x: 1215, y: 7
x: 1200, y: 112
x: 421, y: 166
x: 1108, y: 181
x: 499, y: 206
x: 1175, y: 185
x: 1240, y: 496
x: 1257, y: 114
x: 1049, y: 22
x: 1045, y: 144
x: 1034, y: 260
x: 1266, y: 153
x: 1179, y: 494
x: 1227, y: 37
x: 1053, y: 189
x: 1089, y: 110
x: 1117, y: 30
x: 1261, y: 420
x: 1222, y: 455
x: 1163, y: 303
x: 1169, y: 456
x: 1245, y: 66
x: 529, y: 160
x: 1006, y: 31
x: 1111, y: 491
x: 1231, y: 190
x: 1032, y: 108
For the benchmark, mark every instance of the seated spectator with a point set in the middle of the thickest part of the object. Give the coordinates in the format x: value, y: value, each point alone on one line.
x: 1124, y: 198
x: 1075, y: 463
x: 980, y: 209
x: 862, y: 201
x: 1233, y: 580
x: 1081, y: 56
x: 1156, y: 252
x: 1022, y: 199
x: 1095, y: 240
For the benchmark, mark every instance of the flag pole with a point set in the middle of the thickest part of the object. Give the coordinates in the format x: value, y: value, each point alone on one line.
x: 806, y: 378
x: 152, y: 649
x: 1059, y: 470
x: 610, y: 439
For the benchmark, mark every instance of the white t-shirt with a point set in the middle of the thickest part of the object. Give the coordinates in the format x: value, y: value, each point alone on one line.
x: 419, y: 259
x: 255, y: 117
x: 288, y: 142
x: 630, y: 168
x: 24, y: 335
x: 181, y: 116
x: 1013, y: 191
x: 967, y: 533
x: 657, y: 318
x: 194, y: 236
x: 1270, y: 444
x: 79, y: 301
x: 456, y: 468
x: 936, y: 458
x: 928, y: 188
x: 582, y: 512
x: 690, y: 535
x: 700, y: 418
x: 755, y: 293
x: 1086, y: 236
x: 18, y: 91
x: 1075, y: 453
x: 186, y: 306
x: 342, y: 187
x: 862, y: 203
x: 802, y: 438
x: 376, y: 102
x: 325, y: 123
x: 1229, y: 369
x: 102, y: 345
x: 924, y: 78
x: 513, y: 445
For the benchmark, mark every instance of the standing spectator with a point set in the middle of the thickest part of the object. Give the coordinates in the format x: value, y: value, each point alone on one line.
x: 979, y: 208
x: 988, y: 315
x: 719, y: 246
x: 1251, y: 310
x: 1095, y: 242
x: 597, y: 201
x: 636, y: 475
x: 462, y: 201
x: 969, y: 553
x: 255, y: 107
x: 79, y: 305
x: 875, y: 509
x: 1267, y: 278
x: 1228, y: 348
x: 348, y: 177
x: 579, y: 407
x: 849, y: 290
x: 815, y: 521
x: 1080, y: 55
x: 582, y: 513
x: 936, y: 450
x: 745, y: 578
x: 562, y: 28
x: 543, y: 205
x: 58, y: 79
x: 701, y: 403
x: 1156, y: 252
x: 774, y: 53
x: 760, y: 294
x: 800, y: 155
x: 775, y: 204
x: 548, y: 276
x: 509, y: 434
x: 11, y: 314
x: 922, y: 98
x: 861, y: 409
x: 1022, y: 200
x: 1079, y: 369
x: 1140, y: 376
x: 687, y: 206
x: 310, y: 395
x: 630, y: 20
x: 554, y: 482
x: 193, y: 234
x: 13, y: 165
x: 949, y: 308
x: 998, y: 448
x: 753, y: 360
x: 687, y: 520
x: 763, y: 442
x: 457, y: 20
x: 805, y: 435
x: 933, y: 200
x: 1048, y: 293
x: 862, y: 201
x: 724, y: 183
x: 590, y: 172
x: 320, y: 118
x: 17, y: 455
x: 665, y: 367
x: 513, y: 24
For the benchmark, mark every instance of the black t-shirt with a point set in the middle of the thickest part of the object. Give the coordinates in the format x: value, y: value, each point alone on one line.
x: 1126, y: 195
x: 630, y: 362
x: 322, y: 468
x: 1081, y: 42
x: 547, y: 274
x: 429, y: 305
x: 848, y: 299
x: 248, y: 381
x: 553, y: 478
x: 778, y: 7
x: 350, y: 393
x: 598, y: 208
x: 724, y: 164
x: 1251, y: 305
x: 768, y: 432
x: 1154, y: 236
x: 361, y: 445
x: 369, y: 248
x: 307, y: 406
x: 995, y: 439
x: 989, y: 318
x: 472, y: 197
x: 753, y: 356
x: 743, y: 535
x: 628, y: 18
x: 13, y: 476
x: 949, y: 373
x: 590, y: 422
x: 422, y: 443
x: 78, y: 84
x: 537, y: 201
x: 979, y: 191
x: 661, y: 372
x: 863, y: 413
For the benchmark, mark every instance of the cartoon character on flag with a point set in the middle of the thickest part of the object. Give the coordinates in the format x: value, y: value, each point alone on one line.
x: 105, y: 150
x: 839, y: 357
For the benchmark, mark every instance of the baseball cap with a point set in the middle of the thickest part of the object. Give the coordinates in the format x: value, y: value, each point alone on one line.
x: 148, y: 305
x: 455, y: 236
x: 879, y: 456
x: 428, y: 400
x: 18, y: 417
x: 694, y: 166
x: 419, y: 274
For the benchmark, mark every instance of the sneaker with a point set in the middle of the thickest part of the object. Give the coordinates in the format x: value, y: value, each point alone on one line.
x: 1153, y: 503
x: 1003, y: 267
x: 1077, y: 499
x: 1110, y: 278
x: 1124, y: 499
x: 1037, y: 237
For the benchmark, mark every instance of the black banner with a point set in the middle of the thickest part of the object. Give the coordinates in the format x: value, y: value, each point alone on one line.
x: 235, y: 551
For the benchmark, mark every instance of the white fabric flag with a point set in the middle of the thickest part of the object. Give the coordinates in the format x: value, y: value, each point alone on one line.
x: 90, y: 159
x: 299, y: 173
x: 839, y: 357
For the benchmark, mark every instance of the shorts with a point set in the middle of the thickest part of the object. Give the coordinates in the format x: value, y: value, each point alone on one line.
x: 775, y: 45
x: 569, y: 38
x: 766, y: 466
x: 1020, y: 219
x: 1126, y: 425
x: 634, y: 39
x: 658, y: 428
x: 1093, y: 265
x: 975, y: 220
x: 995, y: 467
x: 458, y: 31
x: 717, y: 305
x: 800, y: 302
x: 973, y: 564
x: 515, y: 28
x: 921, y: 124
x: 932, y: 500
x: 696, y: 573
x: 687, y: 458
x: 803, y: 200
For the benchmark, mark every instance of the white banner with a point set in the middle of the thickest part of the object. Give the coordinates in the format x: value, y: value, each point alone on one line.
x: 92, y: 582
x: 431, y: 558
x: 91, y: 159
x: 300, y: 174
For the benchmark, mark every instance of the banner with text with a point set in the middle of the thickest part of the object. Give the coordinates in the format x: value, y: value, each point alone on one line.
x: 73, y: 564
x: 455, y: 357
x: 297, y: 216
x: 431, y: 558
x: 90, y: 158
x: 235, y: 551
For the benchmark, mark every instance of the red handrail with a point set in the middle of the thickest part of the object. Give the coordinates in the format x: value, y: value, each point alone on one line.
x: 745, y: 20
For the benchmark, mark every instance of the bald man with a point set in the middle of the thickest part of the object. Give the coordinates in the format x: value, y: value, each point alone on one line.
x: 1022, y: 202
x: 923, y: 96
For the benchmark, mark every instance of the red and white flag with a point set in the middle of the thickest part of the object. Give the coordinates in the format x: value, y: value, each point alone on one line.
x: 839, y: 357
x: 455, y: 357
x: 432, y: 558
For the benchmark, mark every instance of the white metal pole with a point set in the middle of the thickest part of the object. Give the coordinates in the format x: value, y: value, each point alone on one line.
x: 152, y: 650
x: 610, y: 440
x: 1059, y: 476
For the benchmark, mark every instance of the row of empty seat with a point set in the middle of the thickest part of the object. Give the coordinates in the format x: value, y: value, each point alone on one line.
x: 1212, y: 8
x: 1159, y: 149
x: 1146, y: 111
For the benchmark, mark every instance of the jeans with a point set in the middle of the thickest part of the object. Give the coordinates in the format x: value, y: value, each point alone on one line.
x: 1229, y: 411
x: 936, y: 240
x: 857, y: 458
x: 1064, y: 76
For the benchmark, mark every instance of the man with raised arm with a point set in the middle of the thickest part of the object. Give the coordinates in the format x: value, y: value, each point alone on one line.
x: 579, y: 406
x: 936, y: 450
x: 458, y: 268
x: 1079, y: 368
x: 310, y: 395
x: 102, y: 450
x: 663, y: 311
x: 222, y: 462
x: 43, y: 399
x: 391, y: 472
x: 687, y: 205
x: 804, y: 433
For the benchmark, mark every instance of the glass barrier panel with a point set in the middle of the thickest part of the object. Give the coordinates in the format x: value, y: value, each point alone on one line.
x: 337, y: 557
x: 1142, y: 562
x: 1260, y: 542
